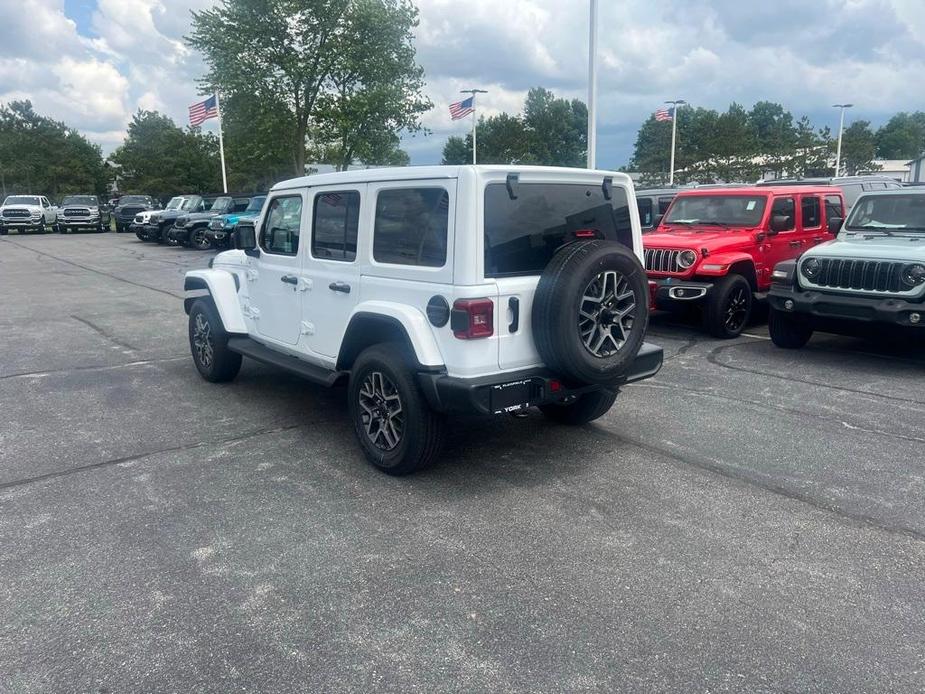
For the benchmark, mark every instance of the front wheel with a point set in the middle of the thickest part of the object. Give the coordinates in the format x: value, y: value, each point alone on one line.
x: 199, y: 240
x: 585, y: 408
x: 209, y: 344
x: 397, y: 430
x: 728, y: 307
x: 788, y: 332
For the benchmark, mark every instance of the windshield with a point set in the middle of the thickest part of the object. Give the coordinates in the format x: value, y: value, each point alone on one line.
x: 22, y: 200
x: 190, y: 203
x: 134, y: 200
x: 221, y: 204
x: 719, y: 210
x: 256, y: 204
x: 81, y: 200
x: 523, y: 233
x: 888, y: 213
x: 175, y: 203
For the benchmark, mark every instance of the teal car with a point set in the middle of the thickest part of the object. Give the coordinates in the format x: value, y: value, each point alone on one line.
x: 221, y: 227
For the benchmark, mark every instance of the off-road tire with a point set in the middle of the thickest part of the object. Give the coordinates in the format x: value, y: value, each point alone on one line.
x: 199, y: 240
x: 224, y: 364
x: 558, y: 310
x: 722, y: 315
x: 422, y: 429
x: 788, y: 332
x: 586, y: 408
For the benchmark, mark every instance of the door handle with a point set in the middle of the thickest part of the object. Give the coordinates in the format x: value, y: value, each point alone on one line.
x: 817, y: 239
x: 796, y: 244
x: 289, y: 279
x: 339, y: 287
x: 514, y: 304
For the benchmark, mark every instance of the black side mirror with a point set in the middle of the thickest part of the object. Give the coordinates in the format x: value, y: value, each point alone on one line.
x: 245, y: 239
x: 781, y: 222
x: 835, y: 224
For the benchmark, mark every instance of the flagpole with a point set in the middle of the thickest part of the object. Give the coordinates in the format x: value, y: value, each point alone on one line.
x: 674, y: 134
x: 592, y: 87
x: 473, y: 92
x: 221, y: 144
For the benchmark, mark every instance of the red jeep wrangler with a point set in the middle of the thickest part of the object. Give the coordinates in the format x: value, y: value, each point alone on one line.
x: 717, y: 247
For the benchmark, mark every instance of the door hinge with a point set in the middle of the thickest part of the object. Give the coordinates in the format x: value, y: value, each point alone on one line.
x: 251, y: 275
x: 305, y: 284
x: 307, y: 328
x: 250, y: 311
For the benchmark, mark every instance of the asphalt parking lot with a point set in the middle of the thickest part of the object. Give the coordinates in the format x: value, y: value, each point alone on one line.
x: 751, y: 519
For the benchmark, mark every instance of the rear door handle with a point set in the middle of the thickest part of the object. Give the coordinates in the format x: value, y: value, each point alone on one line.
x: 289, y: 279
x: 339, y: 287
x: 796, y: 244
x: 817, y: 239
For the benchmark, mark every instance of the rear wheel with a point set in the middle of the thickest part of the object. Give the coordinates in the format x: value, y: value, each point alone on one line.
x: 585, y: 408
x: 209, y: 344
x: 788, y: 332
x: 728, y: 307
x: 397, y: 430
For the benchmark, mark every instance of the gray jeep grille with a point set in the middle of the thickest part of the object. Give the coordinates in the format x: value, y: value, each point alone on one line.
x: 662, y: 260
x: 870, y: 275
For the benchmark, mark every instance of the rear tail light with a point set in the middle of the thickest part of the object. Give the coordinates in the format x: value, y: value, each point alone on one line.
x: 473, y: 318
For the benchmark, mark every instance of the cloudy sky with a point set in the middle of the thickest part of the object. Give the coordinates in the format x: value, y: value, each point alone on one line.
x: 92, y: 63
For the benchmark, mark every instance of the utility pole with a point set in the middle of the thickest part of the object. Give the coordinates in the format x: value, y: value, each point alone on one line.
x: 677, y: 103
x: 473, y: 92
x: 592, y: 87
x: 841, y: 127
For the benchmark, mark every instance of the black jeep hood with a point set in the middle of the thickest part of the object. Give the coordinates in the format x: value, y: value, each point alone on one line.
x: 200, y: 216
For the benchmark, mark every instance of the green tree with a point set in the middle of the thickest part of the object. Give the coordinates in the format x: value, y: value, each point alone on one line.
x: 257, y: 153
x: 307, y: 55
x: 812, y: 150
x: 44, y: 156
x: 557, y: 129
x: 902, y: 137
x: 458, y: 150
x: 859, y: 147
x: 773, y: 130
x: 158, y: 158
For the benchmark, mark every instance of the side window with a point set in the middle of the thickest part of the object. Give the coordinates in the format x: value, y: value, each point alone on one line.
x: 280, y: 233
x: 645, y: 211
x: 411, y: 226
x: 335, y: 220
x: 812, y: 217
x: 785, y: 207
x: 833, y: 207
x: 45, y: 202
x: 664, y: 204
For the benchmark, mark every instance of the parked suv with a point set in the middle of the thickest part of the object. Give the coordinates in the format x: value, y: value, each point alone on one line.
x: 434, y: 290
x: 222, y: 227
x: 159, y: 224
x: 26, y: 214
x: 874, y: 272
x: 717, y: 247
x: 851, y: 186
x: 82, y: 212
x: 130, y: 205
x: 191, y: 229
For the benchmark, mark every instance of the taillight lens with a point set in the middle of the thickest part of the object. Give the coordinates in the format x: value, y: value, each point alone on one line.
x: 473, y: 318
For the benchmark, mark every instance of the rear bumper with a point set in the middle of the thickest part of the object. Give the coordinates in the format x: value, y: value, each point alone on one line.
x: 858, y: 308
x: 518, y: 390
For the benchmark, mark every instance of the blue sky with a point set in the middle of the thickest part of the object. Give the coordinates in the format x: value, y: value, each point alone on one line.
x: 121, y: 55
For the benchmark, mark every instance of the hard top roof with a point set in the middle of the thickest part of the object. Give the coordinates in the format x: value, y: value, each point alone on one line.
x: 410, y: 173
x: 915, y: 190
x: 762, y: 190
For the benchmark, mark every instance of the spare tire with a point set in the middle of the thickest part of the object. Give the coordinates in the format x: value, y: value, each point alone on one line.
x: 591, y: 311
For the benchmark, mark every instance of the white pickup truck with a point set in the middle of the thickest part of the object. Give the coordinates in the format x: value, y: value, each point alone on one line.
x: 27, y: 214
x: 433, y: 290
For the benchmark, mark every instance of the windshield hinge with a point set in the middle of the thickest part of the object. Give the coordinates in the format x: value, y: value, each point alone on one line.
x: 513, y: 185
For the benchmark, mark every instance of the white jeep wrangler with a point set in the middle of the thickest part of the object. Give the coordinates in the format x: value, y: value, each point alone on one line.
x: 431, y: 290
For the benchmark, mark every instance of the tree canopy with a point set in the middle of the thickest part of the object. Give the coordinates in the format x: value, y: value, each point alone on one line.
x: 549, y: 131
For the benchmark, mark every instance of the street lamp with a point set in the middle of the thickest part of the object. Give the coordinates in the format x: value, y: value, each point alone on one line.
x: 473, y: 92
x: 674, y: 133
x: 841, y: 126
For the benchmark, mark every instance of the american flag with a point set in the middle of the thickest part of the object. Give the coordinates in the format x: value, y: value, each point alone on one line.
x: 461, y: 109
x: 664, y: 113
x: 203, y: 111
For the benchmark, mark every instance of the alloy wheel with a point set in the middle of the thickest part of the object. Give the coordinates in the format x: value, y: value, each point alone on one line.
x: 200, y: 241
x: 606, y: 314
x: 202, y: 341
x: 736, y: 311
x: 381, y: 411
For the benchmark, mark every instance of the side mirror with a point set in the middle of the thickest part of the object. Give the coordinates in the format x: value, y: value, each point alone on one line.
x: 781, y: 222
x: 245, y: 239
x: 835, y: 224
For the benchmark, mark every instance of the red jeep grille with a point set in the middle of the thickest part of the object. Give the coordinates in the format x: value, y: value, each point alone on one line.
x: 662, y: 260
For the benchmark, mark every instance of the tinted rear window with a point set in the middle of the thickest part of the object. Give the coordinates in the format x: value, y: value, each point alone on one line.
x: 523, y: 234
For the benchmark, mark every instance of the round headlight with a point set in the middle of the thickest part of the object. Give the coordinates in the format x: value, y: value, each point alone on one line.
x: 913, y: 275
x: 810, y: 268
x: 686, y: 259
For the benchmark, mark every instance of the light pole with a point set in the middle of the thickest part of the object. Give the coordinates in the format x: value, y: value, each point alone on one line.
x: 473, y: 92
x: 674, y: 133
x: 841, y: 126
x: 592, y: 87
